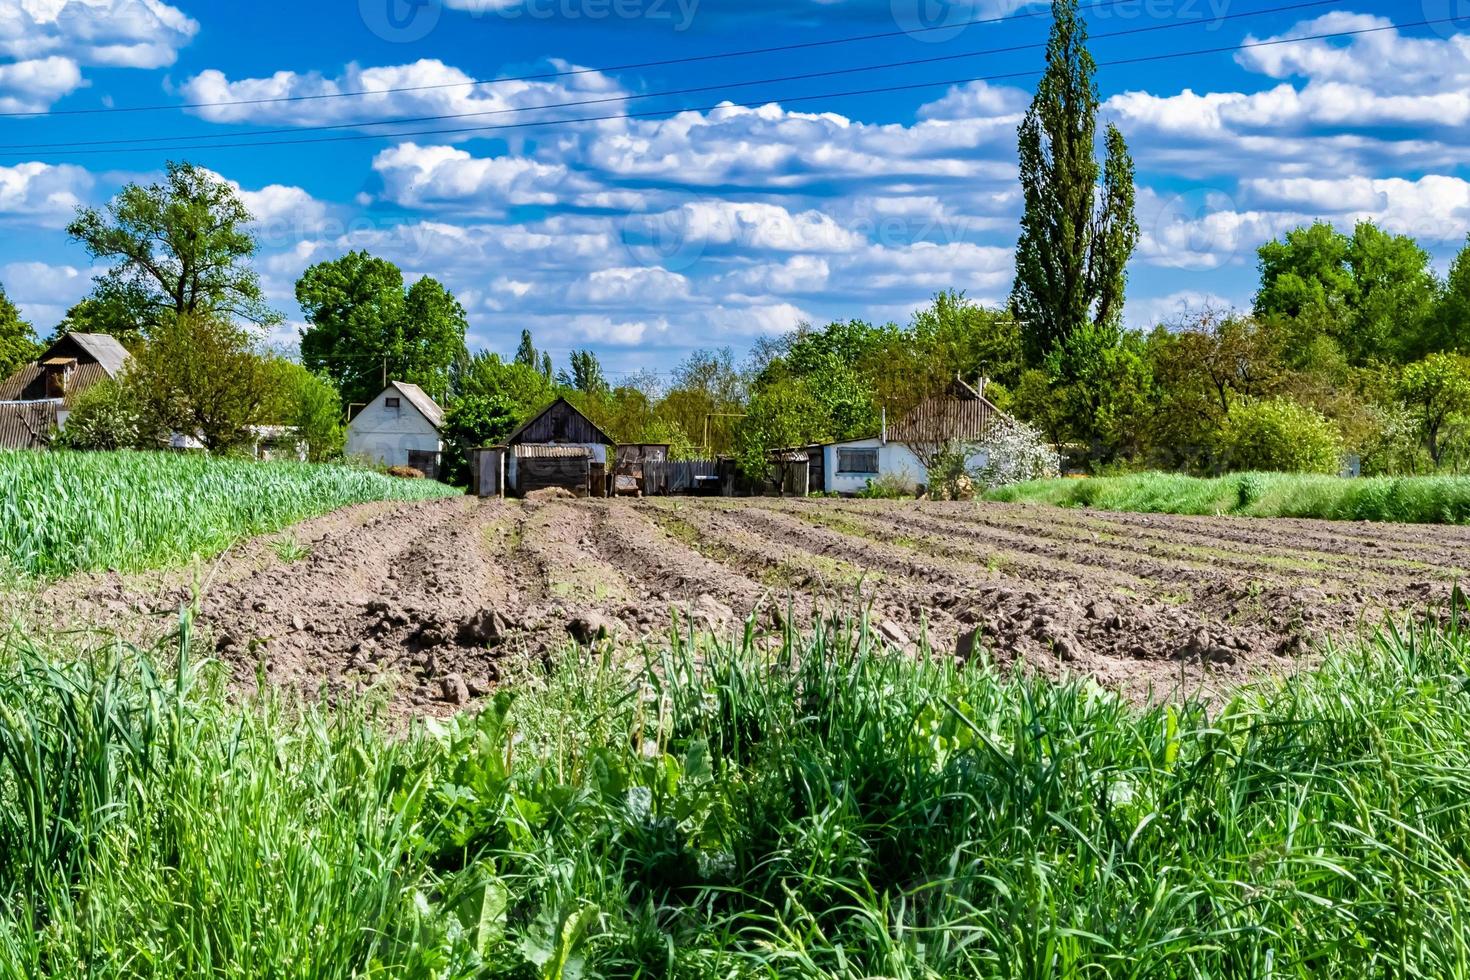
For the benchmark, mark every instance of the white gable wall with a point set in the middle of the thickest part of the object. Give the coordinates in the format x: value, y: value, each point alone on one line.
x: 386, y: 435
x: 894, y: 459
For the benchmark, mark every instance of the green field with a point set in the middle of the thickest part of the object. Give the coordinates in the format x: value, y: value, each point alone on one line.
x: 69, y: 512
x: 1414, y: 500
x: 828, y: 811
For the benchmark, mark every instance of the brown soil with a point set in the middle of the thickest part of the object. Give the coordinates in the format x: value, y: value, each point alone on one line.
x: 435, y: 602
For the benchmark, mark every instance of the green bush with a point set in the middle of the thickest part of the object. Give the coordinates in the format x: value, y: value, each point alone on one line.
x: 1277, y: 434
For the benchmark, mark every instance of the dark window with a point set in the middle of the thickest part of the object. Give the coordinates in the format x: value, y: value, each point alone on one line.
x: 393, y: 403
x: 863, y: 461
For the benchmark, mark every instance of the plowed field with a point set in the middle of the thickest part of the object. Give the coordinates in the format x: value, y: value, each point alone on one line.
x: 441, y: 599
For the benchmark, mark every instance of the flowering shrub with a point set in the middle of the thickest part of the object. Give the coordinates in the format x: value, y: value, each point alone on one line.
x: 1014, y: 453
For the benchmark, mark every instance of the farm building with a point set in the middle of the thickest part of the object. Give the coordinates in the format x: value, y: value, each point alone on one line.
x: 36, y: 400
x: 400, y: 427
x: 961, y: 415
x: 557, y: 447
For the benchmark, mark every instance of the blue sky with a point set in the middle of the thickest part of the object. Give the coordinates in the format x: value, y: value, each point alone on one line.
x: 645, y: 238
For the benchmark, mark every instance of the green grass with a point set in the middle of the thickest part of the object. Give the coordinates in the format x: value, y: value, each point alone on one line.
x: 1414, y: 500
x: 70, y: 512
x: 825, y: 811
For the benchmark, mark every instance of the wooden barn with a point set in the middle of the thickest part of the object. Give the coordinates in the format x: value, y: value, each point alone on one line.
x: 558, y: 447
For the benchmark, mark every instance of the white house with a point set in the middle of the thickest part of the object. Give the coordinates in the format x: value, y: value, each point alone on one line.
x: 962, y: 415
x: 400, y: 427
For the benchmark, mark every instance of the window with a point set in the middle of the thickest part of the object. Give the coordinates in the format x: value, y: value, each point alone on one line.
x: 861, y: 461
x: 393, y: 403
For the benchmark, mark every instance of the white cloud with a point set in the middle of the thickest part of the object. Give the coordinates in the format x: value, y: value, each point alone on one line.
x: 430, y: 176
x: 50, y: 40
x: 44, y: 292
x: 43, y: 193
x: 630, y: 286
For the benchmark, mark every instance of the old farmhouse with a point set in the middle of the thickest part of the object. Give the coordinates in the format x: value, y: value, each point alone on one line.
x: 36, y: 400
x: 960, y: 416
x: 400, y: 427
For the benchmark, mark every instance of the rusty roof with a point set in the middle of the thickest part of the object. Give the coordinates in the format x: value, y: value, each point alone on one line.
x: 536, y: 450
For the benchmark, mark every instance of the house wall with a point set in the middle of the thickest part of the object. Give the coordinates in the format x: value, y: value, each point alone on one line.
x: 387, y: 435
x: 893, y: 459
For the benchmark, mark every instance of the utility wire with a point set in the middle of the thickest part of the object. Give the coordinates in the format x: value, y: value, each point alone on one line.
x: 571, y: 72
x: 880, y: 90
x: 717, y: 86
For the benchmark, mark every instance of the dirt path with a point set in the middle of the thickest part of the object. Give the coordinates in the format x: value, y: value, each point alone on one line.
x: 436, y: 602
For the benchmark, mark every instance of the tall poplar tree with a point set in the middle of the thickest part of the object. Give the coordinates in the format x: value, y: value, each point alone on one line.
x: 1076, y: 236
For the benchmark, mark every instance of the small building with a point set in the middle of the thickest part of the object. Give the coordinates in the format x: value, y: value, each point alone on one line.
x: 401, y: 427
x: 961, y: 415
x: 36, y: 400
x: 556, y: 447
x: 641, y: 470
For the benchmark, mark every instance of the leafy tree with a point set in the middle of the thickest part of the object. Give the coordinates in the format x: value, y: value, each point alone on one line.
x: 519, y: 385
x: 123, y: 312
x: 18, y: 345
x: 706, y: 387
x: 586, y: 375
x: 1279, y: 435
x: 788, y: 412
x: 204, y: 376
x: 1451, y: 323
x: 363, y: 322
x: 526, y: 352
x: 308, y: 403
x: 181, y: 246
x: 1372, y: 292
x: 1437, y: 391
x: 433, y: 336
x: 471, y: 422
x: 1076, y: 234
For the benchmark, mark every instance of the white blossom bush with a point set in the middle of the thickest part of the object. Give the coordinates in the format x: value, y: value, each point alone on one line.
x: 1014, y: 453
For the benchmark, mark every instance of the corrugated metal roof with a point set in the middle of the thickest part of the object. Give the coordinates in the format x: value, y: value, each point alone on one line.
x: 104, y: 349
x: 29, y: 383
x: 27, y: 425
x: 533, y: 450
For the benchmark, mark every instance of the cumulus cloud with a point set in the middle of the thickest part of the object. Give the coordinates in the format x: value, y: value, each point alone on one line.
x: 51, y: 40
x: 43, y: 193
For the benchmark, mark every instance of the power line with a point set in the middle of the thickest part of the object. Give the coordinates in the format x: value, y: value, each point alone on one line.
x: 879, y: 90
x: 571, y: 72
x: 324, y: 127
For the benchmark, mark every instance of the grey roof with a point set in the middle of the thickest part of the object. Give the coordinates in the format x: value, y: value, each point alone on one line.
x: 420, y: 400
x: 104, y: 348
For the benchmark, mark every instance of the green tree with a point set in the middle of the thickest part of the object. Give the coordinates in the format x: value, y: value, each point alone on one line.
x: 785, y: 413
x: 1437, y: 391
x: 364, y: 324
x: 1451, y: 324
x: 471, y: 422
x: 586, y: 375
x: 1372, y: 292
x: 526, y: 352
x: 204, y: 376
x: 1076, y: 235
x: 517, y: 384
x: 18, y: 345
x: 181, y: 245
x: 1277, y: 434
x: 308, y: 403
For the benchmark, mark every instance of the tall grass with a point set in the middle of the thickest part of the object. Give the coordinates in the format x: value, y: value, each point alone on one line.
x: 66, y: 512
x: 1414, y: 499
x: 828, y: 810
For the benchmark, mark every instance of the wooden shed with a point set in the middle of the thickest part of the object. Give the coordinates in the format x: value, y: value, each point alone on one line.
x: 559, y: 447
x: 640, y: 470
